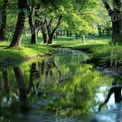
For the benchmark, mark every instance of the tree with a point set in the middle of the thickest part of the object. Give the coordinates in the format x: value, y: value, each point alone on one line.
x: 3, y: 20
x: 22, y: 11
x: 43, y: 30
x: 33, y: 18
x: 49, y: 28
x: 80, y: 16
x: 116, y: 19
x: 51, y: 18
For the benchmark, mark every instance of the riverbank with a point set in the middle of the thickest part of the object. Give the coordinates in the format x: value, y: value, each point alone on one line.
x: 26, y: 52
x: 108, y: 58
x: 102, y: 54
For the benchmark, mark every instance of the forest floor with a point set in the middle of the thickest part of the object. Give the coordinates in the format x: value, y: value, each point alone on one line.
x: 102, y: 53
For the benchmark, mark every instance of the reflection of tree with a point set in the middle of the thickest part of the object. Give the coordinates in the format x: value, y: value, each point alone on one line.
x: 34, y: 75
x: 78, y: 92
x: 47, y: 68
x: 22, y: 87
x: 73, y: 96
x: 6, y: 86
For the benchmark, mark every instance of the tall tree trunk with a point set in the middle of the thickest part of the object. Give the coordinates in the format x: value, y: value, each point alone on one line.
x: 116, y: 18
x: 116, y: 27
x: 3, y: 17
x: 43, y: 30
x: 17, y: 37
x: 50, y: 38
x: 117, y: 22
x: 34, y: 26
x: 33, y: 35
x: 44, y: 36
x: 49, y: 31
x: 37, y: 22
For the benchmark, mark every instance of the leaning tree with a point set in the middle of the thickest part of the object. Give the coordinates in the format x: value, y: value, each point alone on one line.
x: 22, y: 12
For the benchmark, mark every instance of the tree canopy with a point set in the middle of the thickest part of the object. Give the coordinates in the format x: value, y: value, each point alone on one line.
x: 49, y: 16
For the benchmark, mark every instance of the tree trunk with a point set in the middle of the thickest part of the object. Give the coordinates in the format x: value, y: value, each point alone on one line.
x: 34, y: 26
x: 49, y: 30
x: 116, y: 18
x: 43, y: 30
x: 68, y: 33
x: 44, y: 37
x: 51, y: 34
x: 3, y: 18
x: 17, y: 37
x: 34, y: 35
x: 116, y: 27
x: 99, y: 30
x: 77, y: 36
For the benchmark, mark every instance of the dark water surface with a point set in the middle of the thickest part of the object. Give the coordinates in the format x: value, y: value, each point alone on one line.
x: 57, y: 88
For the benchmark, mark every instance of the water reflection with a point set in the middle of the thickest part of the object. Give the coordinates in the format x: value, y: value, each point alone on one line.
x: 111, y: 115
x: 48, y: 68
x: 116, y: 90
x: 19, y: 75
x: 114, y: 112
x: 56, y: 88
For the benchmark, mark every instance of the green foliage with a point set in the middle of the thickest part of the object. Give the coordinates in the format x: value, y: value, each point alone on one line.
x: 106, y: 54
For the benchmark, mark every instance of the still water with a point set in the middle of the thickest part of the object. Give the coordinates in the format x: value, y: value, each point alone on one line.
x: 56, y: 88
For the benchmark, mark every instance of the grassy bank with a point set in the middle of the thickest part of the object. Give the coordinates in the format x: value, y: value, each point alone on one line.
x: 102, y: 52
x: 104, y: 55
x: 26, y: 52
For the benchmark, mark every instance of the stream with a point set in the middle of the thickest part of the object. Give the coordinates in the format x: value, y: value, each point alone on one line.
x: 57, y: 88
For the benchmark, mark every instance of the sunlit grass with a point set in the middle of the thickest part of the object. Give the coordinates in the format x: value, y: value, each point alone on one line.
x: 77, y: 43
x: 26, y: 51
x: 98, y: 46
x: 108, y: 54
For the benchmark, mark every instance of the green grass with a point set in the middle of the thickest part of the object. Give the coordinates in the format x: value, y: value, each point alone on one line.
x: 102, y: 52
x: 98, y: 46
x: 107, y: 54
x: 27, y: 51
x: 71, y: 42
